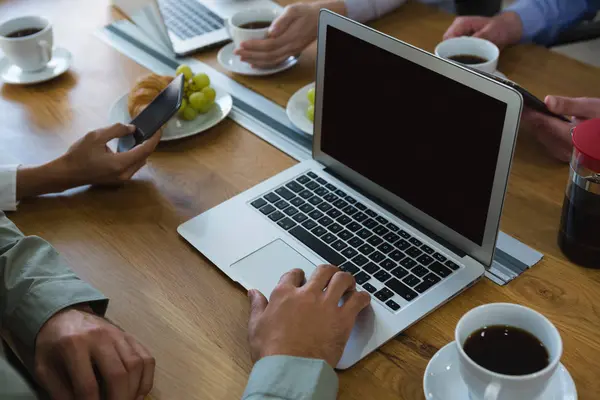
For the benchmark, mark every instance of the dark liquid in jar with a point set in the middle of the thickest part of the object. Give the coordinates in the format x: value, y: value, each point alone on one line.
x: 579, y: 236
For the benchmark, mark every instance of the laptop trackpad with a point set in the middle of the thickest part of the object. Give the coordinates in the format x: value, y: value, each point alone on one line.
x: 262, y: 269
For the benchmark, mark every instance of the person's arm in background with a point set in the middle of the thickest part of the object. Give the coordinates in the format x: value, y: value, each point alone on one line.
x: 298, y: 336
x: 525, y: 20
x: 296, y: 28
x: 88, y: 161
x: 54, y: 320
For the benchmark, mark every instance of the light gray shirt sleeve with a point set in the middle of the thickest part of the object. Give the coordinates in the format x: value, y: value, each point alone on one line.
x: 367, y: 10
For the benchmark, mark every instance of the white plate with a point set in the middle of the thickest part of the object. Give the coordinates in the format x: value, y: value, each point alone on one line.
x: 60, y: 63
x: 500, y: 74
x: 442, y: 380
x: 177, y: 128
x: 232, y: 63
x: 296, y: 109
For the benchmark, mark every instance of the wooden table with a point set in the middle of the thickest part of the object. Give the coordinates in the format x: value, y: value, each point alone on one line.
x: 188, y: 313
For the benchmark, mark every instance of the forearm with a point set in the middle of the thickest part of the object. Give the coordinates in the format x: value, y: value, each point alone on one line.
x: 53, y: 177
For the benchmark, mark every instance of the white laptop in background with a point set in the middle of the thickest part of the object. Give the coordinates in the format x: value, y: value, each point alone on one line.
x: 186, y: 26
x: 411, y: 157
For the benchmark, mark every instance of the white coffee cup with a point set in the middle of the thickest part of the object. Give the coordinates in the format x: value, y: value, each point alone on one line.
x: 239, y: 35
x: 484, y: 384
x: 32, y: 52
x: 467, y: 45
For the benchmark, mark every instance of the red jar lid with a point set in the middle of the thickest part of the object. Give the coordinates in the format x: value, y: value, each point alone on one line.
x: 586, y: 139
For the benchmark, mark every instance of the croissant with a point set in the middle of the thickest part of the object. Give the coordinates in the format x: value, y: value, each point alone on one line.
x: 145, y: 90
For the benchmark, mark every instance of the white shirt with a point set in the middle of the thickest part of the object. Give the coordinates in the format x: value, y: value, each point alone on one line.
x: 8, y: 182
x: 367, y: 10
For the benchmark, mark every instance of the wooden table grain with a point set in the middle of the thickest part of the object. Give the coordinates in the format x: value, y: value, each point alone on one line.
x: 124, y: 240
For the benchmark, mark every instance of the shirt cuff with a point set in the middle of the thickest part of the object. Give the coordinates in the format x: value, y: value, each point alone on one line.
x: 532, y: 17
x: 8, y: 187
x: 291, y: 378
x: 367, y: 10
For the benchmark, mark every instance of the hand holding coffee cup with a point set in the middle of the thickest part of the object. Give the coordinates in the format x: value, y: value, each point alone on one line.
x: 27, y: 42
x: 250, y: 24
x: 474, y: 52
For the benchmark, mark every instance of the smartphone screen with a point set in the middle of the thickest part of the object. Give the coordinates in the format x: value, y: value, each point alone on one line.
x: 153, y: 117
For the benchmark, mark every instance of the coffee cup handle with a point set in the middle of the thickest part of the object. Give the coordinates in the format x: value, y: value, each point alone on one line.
x: 492, y: 391
x: 46, y: 50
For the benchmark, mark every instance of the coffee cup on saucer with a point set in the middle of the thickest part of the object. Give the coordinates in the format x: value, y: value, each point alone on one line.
x: 250, y: 24
x: 473, y: 52
x: 27, y: 42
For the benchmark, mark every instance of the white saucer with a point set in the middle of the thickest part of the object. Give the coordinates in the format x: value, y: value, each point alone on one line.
x: 232, y: 63
x: 500, y: 74
x: 442, y: 380
x: 60, y: 63
x: 296, y: 109
x: 178, y: 128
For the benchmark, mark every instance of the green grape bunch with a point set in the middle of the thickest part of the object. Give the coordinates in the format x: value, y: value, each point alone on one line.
x: 199, y: 97
x: 310, y: 111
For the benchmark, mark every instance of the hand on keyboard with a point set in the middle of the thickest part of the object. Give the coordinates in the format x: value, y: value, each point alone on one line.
x: 304, y: 319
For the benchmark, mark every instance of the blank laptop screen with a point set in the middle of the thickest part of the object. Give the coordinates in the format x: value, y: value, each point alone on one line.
x: 430, y: 140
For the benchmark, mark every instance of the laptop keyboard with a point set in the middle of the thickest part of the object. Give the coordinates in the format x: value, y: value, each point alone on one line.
x: 384, y: 259
x: 189, y: 18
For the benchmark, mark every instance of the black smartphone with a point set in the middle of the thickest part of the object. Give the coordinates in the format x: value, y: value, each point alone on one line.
x: 530, y: 100
x: 149, y: 121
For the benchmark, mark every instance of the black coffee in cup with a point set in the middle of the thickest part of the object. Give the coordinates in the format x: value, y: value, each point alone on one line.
x: 256, y: 25
x: 507, y: 350
x: 23, y: 32
x: 468, y: 59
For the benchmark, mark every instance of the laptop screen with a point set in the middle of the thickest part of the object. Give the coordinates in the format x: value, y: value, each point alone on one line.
x: 426, y: 138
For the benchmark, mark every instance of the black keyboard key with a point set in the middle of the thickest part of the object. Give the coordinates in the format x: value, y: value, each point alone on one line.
x: 370, y: 223
x: 392, y: 305
x: 440, y: 257
x: 425, y: 260
x: 402, y: 244
x: 341, y: 204
x: 285, y: 193
x: 268, y: 209
x: 408, y: 263
x: 391, y: 237
x: 315, y: 214
x: 350, y: 200
x: 380, y: 230
x: 286, y: 224
x: 335, y: 228
x: 420, y: 271
x: 281, y: 204
x: 297, y: 201
x: 360, y: 206
x: 305, y: 194
x: 321, y: 181
x: 330, y: 197
x: 345, y: 234
x: 272, y: 198
x: 258, y: 203
x: 382, y: 220
x: 385, y: 248
x: 356, y: 242
x: 334, y: 212
x: 294, y: 187
x: 300, y: 217
x: 315, y: 200
x: 369, y: 288
x: 326, y: 221
x: 388, y: 264
x: 416, y: 242
x: 411, y: 280
x: 382, y: 276
x: 399, y: 272
x: 340, y: 193
x: 366, y: 249
x: 354, y: 226
x: 321, y: 191
x: 290, y: 211
x: 377, y: 257
x: 371, y: 268
x: 364, y: 233
x: 318, y: 231
x: 350, y: 210
x: 397, y: 255
x: 349, y: 252
x: 375, y: 240
x: 440, y: 269
x: 339, y: 245
x: 428, y: 281
x: 325, y: 207
x: 371, y: 213
x: 404, y: 234
x: 450, y: 265
x: 312, y: 175
x: 312, y: 185
x: 392, y: 227
x: 359, y: 217
x: 349, y: 267
x: 303, y: 179
x: 344, y: 219
x: 361, y: 278
x: 427, y: 249
x: 331, y: 187
x: 309, y: 224
x: 328, y: 238
x: 360, y: 260
x: 384, y: 294
x: 276, y: 216
x: 400, y: 288
x: 306, y: 208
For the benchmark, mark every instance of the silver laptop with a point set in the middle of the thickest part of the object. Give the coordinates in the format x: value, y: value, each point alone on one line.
x: 186, y: 26
x: 411, y: 156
